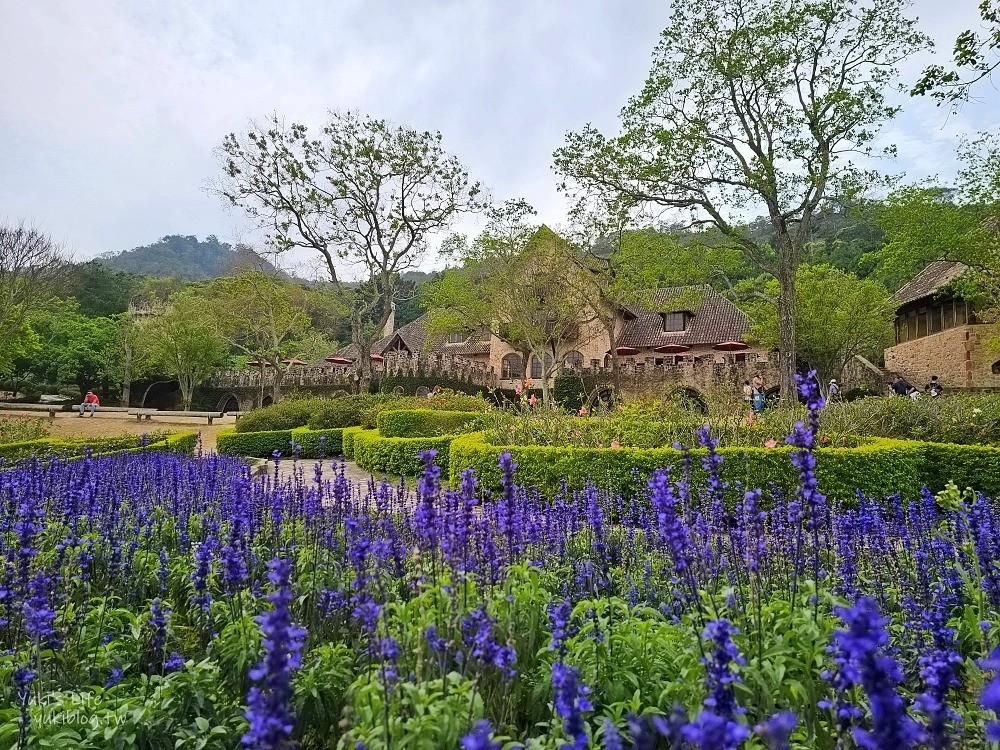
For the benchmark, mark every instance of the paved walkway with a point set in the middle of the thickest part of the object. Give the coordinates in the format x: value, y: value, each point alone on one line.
x: 354, y: 473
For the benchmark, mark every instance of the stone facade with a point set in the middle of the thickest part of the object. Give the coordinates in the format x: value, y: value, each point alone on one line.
x: 958, y: 356
x: 237, y: 390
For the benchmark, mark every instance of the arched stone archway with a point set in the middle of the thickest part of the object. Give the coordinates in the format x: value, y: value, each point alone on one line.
x: 266, y: 401
x: 602, y: 397
x: 690, y: 399
x: 229, y: 402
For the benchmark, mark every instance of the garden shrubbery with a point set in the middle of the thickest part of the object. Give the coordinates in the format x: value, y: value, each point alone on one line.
x: 20, y: 429
x: 348, y: 411
x: 182, y: 442
x: 303, y: 441
x: 397, y: 455
x: 424, y: 422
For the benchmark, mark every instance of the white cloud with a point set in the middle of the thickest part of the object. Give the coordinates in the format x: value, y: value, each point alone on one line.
x: 110, y: 109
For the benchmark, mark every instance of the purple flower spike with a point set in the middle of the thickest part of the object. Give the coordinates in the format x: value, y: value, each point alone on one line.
x: 269, y: 702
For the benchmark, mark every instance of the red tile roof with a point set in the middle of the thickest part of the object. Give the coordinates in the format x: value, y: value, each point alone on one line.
x: 714, y: 319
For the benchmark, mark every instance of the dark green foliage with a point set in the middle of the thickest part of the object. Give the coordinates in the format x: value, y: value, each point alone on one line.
x: 284, y: 415
x: 184, y: 257
x: 309, y: 442
x: 423, y: 422
x: 395, y: 455
x: 98, y: 289
x: 878, y: 468
x: 347, y: 411
x: 182, y: 442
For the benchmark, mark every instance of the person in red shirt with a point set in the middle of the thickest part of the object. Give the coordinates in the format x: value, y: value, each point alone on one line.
x: 90, y: 401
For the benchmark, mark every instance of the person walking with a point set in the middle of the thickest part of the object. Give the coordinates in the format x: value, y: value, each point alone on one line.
x: 834, y: 390
x: 758, y: 393
x: 91, y: 402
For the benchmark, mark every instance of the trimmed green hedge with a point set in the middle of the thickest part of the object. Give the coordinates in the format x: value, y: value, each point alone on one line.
x: 264, y: 444
x: 880, y: 467
x: 258, y: 444
x: 182, y: 442
x: 347, y: 440
x: 397, y: 455
x: 422, y: 422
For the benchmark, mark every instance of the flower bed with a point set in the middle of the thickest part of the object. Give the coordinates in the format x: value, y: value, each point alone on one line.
x: 22, y: 429
x: 184, y: 604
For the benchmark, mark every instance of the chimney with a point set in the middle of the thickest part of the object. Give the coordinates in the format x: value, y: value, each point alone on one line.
x: 390, y: 324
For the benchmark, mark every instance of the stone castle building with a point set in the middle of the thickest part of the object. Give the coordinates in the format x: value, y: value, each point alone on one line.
x: 939, y: 333
x: 692, y: 340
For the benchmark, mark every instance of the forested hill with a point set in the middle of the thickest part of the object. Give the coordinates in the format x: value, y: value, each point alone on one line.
x: 185, y: 257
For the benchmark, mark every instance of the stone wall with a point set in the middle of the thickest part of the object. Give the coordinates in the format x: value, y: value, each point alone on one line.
x: 725, y: 373
x: 958, y: 356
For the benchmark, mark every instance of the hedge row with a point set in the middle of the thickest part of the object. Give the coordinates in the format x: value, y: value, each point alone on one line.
x: 264, y: 444
x: 347, y: 440
x: 880, y: 467
x: 422, y: 422
x: 183, y: 442
x: 397, y: 455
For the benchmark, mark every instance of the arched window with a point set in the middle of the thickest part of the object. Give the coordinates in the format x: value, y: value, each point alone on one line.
x: 573, y: 359
x: 511, y: 367
x: 536, y: 365
x: 995, y: 369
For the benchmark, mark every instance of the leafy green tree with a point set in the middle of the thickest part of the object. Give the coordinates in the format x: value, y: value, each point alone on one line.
x: 516, y: 282
x: 183, y: 341
x: 975, y: 56
x: 752, y: 105
x: 960, y: 222
x: 30, y: 268
x: 266, y: 319
x: 185, y: 257
x: 71, y: 345
x: 837, y: 316
x: 99, y: 290
x: 126, y: 357
x: 361, y: 193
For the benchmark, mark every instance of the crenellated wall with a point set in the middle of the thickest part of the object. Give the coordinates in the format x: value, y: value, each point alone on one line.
x: 637, y: 377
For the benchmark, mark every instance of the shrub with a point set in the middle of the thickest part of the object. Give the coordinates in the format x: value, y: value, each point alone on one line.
x: 309, y: 440
x: 260, y: 444
x: 423, y: 422
x: 284, y: 415
x: 396, y: 455
x: 183, y: 442
x: 347, y: 440
x: 20, y: 429
x: 877, y: 468
x: 363, y: 409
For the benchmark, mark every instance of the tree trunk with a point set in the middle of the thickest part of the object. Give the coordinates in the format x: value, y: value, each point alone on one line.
x: 786, y: 333
x: 187, y: 391
x: 279, y: 376
x: 127, y: 373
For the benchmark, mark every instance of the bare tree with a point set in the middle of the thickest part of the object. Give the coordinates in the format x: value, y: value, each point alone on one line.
x: 30, y: 265
x: 363, y: 193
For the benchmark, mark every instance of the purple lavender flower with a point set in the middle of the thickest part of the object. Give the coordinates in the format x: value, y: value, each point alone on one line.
x: 158, y: 623
x: 990, y: 699
x: 777, y: 730
x: 571, y: 702
x: 199, y: 578
x: 269, y: 702
x: 719, y: 668
x: 863, y: 644
x: 480, y: 738
x: 23, y: 677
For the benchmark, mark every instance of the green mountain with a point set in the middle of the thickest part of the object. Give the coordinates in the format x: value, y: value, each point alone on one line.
x: 185, y: 257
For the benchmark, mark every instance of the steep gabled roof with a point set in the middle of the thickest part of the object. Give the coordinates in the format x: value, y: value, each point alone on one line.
x: 714, y: 319
x: 935, y: 276
x: 416, y: 339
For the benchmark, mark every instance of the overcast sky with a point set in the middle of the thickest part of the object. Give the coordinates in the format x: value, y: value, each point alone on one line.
x: 110, y: 109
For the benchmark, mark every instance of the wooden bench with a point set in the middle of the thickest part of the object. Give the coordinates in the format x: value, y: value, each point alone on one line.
x: 150, y: 413
x: 236, y: 414
x: 50, y: 408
